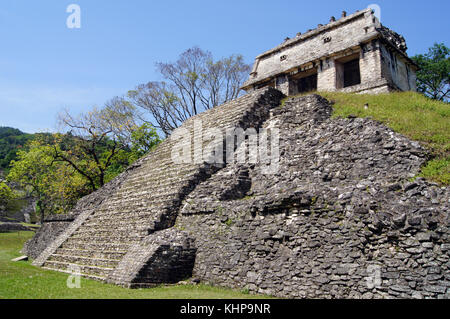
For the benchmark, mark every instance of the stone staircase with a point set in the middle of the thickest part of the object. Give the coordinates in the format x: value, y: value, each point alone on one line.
x: 119, y: 239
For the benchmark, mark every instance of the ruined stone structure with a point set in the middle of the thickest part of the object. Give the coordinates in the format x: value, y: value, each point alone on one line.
x: 116, y: 235
x: 352, y: 54
x: 340, y: 217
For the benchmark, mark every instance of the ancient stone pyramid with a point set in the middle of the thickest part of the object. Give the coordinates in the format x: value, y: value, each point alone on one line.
x: 340, y: 217
x: 111, y: 239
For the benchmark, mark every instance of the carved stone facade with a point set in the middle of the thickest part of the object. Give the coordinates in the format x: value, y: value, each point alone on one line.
x: 353, y: 54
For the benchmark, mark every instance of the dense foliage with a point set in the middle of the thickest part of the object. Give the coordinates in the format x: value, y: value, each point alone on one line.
x: 11, y: 140
x: 6, y: 194
x: 433, y: 77
x: 55, y: 186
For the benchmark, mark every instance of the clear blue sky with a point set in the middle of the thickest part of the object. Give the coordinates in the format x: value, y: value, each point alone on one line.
x: 44, y: 66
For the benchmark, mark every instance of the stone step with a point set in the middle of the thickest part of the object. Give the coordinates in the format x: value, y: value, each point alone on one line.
x: 101, y: 230
x: 151, y: 192
x: 118, y: 203
x: 130, y: 215
x: 144, y: 198
x: 123, y: 228
x: 133, y: 207
x: 161, y: 169
x: 82, y: 260
x: 107, y: 239
x: 170, y: 175
x: 103, y: 254
x: 121, y: 224
x: 99, y: 272
x: 93, y: 232
x: 85, y: 245
x: 88, y: 276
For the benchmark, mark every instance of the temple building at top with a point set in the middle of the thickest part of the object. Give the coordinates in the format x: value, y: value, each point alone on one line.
x: 355, y: 53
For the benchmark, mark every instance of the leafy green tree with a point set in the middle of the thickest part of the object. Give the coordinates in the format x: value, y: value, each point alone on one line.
x: 55, y: 186
x: 144, y: 138
x: 433, y: 78
x: 6, y: 194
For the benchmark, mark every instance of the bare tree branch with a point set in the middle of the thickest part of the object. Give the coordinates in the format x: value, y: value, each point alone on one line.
x: 194, y: 83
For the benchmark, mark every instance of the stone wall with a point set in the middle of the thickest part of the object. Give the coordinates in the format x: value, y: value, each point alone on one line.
x: 52, y: 227
x: 164, y: 257
x: 310, y: 251
x: 10, y: 227
x: 396, y: 71
x: 326, y: 78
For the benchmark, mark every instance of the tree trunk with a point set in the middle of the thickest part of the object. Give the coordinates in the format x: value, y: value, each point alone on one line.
x: 41, y: 210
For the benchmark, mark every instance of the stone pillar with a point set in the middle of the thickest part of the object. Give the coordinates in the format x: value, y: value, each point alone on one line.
x: 370, y: 64
x: 326, y: 75
x: 282, y: 84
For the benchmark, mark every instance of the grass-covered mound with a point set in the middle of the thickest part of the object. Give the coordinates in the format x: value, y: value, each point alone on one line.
x: 21, y: 280
x: 408, y: 113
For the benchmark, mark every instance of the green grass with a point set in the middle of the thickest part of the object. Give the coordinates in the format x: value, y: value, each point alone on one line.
x: 408, y: 113
x: 24, y: 281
